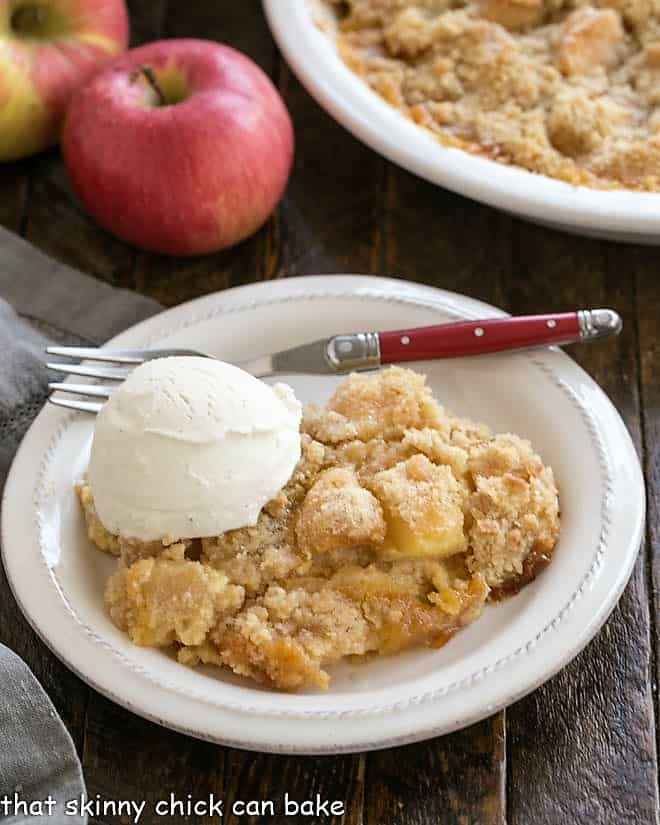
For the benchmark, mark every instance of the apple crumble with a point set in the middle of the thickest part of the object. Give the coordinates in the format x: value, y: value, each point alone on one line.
x: 565, y: 88
x: 398, y: 524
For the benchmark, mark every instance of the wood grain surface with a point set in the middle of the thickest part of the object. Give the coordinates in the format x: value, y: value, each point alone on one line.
x: 581, y: 749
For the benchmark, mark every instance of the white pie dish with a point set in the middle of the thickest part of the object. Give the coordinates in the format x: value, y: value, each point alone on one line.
x: 57, y: 577
x: 621, y: 215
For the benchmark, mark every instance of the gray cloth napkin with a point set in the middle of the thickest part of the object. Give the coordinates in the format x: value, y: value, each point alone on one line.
x: 41, y: 302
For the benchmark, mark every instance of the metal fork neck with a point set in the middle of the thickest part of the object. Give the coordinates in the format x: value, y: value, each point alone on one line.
x: 359, y: 351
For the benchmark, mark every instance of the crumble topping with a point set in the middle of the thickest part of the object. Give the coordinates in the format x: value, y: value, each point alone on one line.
x: 398, y: 524
x: 567, y: 88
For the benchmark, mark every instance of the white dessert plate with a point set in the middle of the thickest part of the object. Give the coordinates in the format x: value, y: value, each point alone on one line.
x: 58, y: 577
x: 310, y: 51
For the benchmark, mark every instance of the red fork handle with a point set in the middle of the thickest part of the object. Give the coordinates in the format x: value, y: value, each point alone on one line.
x: 479, y: 337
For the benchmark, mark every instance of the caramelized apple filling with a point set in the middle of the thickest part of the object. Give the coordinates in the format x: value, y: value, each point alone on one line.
x: 397, y: 526
x: 422, y: 502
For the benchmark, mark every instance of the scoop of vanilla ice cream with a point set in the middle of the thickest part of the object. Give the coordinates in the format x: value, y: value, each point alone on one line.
x: 191, y: 447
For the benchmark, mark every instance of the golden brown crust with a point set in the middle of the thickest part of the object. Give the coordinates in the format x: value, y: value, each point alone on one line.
x: 423, y: 508
x: 160, y: 601
x: 338, y: 513
x: 397, y: 525
x: 565, y: 88
x: 511, y: 512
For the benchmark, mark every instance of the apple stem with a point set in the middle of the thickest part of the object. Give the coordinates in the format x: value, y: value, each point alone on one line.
x: 150, y: 76
x: 28, y: 19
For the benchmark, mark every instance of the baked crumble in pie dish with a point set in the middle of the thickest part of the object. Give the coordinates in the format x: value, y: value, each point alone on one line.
x: 400, y: 522
x: 566, y: 88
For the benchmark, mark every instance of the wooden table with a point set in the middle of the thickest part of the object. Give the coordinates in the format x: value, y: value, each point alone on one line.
x: 580, y: 749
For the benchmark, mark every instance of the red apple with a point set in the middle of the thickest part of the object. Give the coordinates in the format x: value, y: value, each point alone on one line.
x: 48, y: 48
x: 182, y: 146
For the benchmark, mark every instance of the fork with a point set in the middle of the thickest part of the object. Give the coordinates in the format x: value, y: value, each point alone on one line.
x: 348, y: 352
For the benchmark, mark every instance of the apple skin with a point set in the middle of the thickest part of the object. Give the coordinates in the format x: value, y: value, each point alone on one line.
x: 40, y: 71
x: 194, y: 176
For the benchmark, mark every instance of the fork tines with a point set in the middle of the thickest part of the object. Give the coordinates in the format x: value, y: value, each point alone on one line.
x: 130, y: 358
x: 94, y: 354
x: 107, y: 373
x: 80, y: 406
x: 91, y: 390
